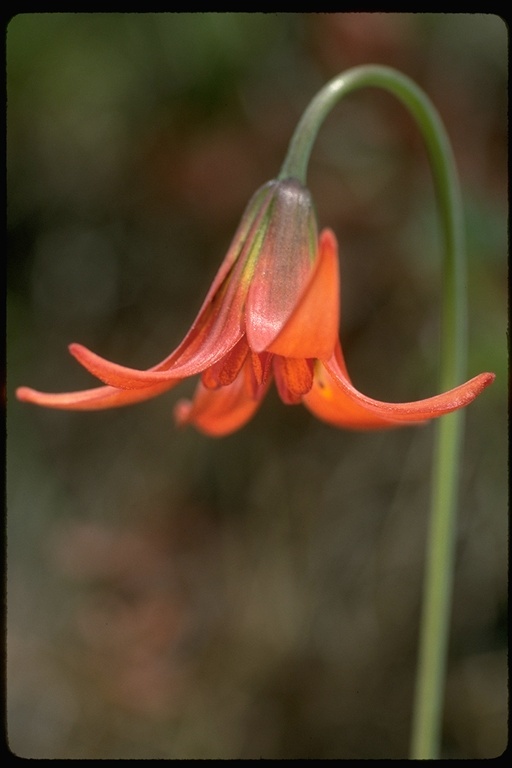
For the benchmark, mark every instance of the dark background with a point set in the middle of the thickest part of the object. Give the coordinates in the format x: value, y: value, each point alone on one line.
x: 174, y: 596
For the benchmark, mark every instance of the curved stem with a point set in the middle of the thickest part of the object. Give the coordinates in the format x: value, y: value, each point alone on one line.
x: 440, y: 559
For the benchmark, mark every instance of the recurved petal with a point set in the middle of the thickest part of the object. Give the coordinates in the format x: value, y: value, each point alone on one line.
x: 219, y: 324
x: 219, y: 329
x: 334, y: 399
x: 95, y: 399
x: 204, y: 345
x: 218, y: 412
x: 312, y: 329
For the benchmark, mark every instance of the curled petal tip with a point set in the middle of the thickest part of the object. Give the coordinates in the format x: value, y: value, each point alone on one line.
x: 77, y: 350
x: 25, y: 394
x: 475, y: 386
x: 488, y: 378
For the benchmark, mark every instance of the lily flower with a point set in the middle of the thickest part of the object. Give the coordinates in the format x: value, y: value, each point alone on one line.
x: 271, y: 313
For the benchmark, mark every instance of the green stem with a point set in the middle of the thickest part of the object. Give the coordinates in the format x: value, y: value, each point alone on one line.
x: 440, y: 558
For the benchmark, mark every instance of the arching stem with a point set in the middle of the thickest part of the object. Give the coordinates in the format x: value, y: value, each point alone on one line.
x: 440, y: 558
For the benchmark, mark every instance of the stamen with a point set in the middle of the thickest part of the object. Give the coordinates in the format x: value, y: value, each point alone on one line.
x: 294, y: 378
x: 227, y: 369
x: 257, y: 372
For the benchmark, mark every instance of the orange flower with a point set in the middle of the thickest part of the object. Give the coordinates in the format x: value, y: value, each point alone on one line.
x: 272, y: 312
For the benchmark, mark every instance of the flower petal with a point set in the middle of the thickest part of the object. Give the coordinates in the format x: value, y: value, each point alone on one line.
x: 211, y: 337
x: 284, y: 264
x: 334, y: 399
x: 218, y: 412
x: 95, y: 399
x: 250, y: 223
x: 219, y: 324
x: 312, y: 328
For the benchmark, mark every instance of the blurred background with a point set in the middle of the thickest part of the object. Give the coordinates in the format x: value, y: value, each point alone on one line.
x: 174, y: 596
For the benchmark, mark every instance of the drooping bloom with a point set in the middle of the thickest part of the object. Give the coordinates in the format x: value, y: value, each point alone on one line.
x: 272, y: 313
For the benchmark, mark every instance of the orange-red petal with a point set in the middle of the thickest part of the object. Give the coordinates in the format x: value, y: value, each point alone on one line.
x: 95, y: 399
x: 213, y: 335
x: 283, y: 266
x: 312, y: 329
x: 218, y: 412
x: 334, y: 399
x: 219, y: 324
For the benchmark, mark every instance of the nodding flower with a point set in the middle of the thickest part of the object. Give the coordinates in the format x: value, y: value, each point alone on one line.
x: 272, y: 313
